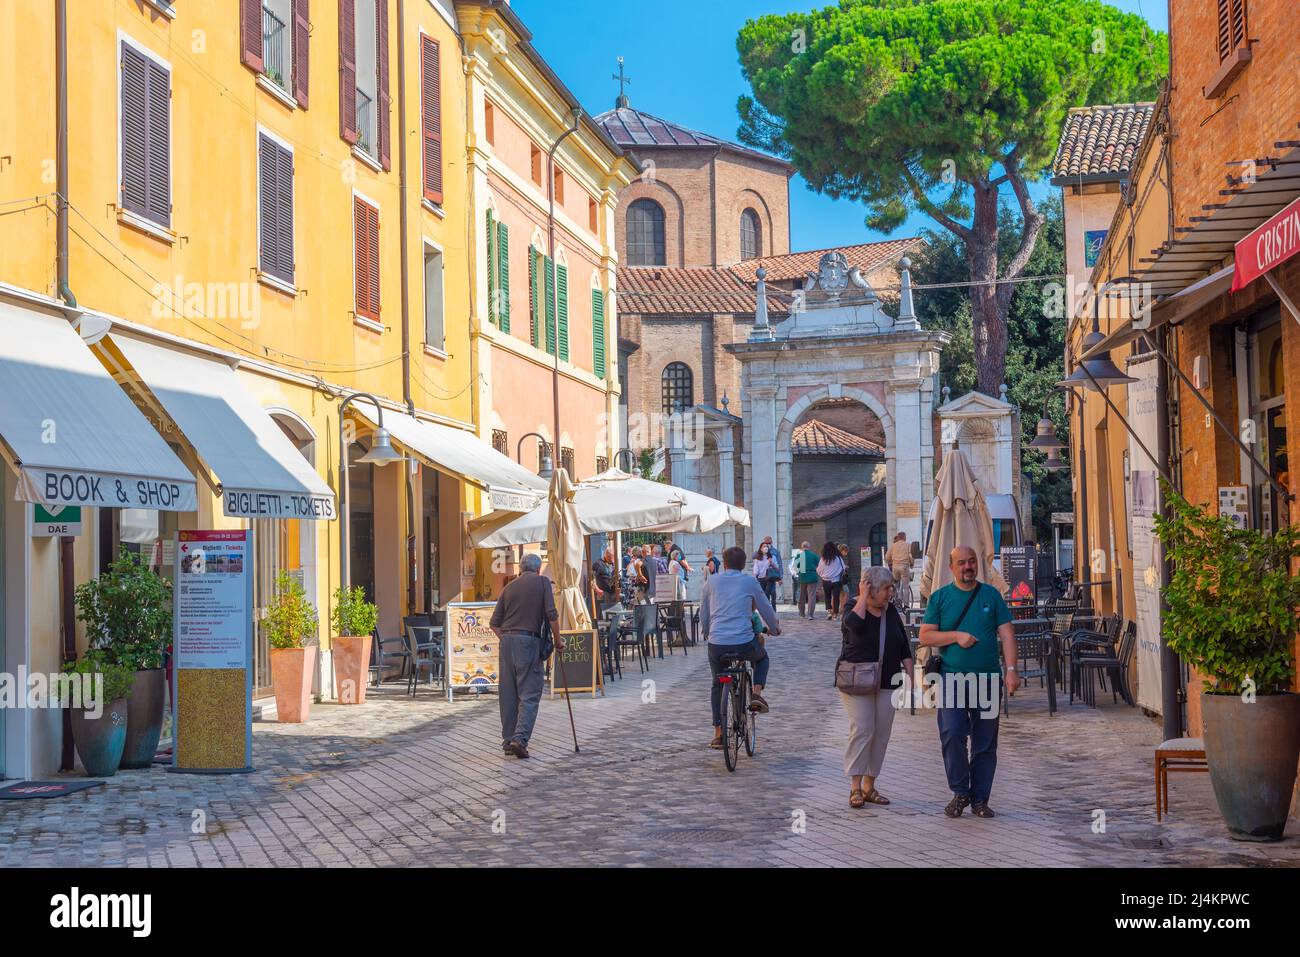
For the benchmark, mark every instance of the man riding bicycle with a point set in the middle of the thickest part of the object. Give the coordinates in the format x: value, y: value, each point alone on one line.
x: 730, y: 598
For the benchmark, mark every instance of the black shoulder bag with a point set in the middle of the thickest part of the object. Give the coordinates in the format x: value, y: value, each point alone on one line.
x: 934, y: 663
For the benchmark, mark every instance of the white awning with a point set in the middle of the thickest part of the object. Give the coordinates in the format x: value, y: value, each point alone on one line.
x: 262, y: 473
x: 463, y: 454
x: 70, y: 432
x: 700, y: 513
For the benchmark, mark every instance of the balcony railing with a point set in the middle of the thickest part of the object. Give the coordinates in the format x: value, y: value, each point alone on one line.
x: 277, y: 55
x: 365, y: 122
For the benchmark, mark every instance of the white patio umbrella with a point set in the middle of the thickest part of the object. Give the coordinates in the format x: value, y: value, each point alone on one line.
x: 700, y: 513
x: 961, y: 517
x: 564, y: 552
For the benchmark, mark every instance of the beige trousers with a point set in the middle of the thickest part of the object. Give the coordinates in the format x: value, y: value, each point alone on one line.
x: 871, y: 719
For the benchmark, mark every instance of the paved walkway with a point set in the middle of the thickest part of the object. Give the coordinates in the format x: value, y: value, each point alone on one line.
x: 402, y: 782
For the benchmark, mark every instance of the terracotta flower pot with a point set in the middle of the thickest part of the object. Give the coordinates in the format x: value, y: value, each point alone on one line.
x: 100, y: 740
x: 351, y: 667
x: 144, y: 717
x: 292, y: 670
x: 1252, y: 749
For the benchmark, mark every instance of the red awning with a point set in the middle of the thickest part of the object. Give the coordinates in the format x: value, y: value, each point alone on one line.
x: 1267, y: 246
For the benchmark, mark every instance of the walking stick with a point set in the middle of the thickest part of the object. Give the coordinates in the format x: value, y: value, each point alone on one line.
x: 559, y: 660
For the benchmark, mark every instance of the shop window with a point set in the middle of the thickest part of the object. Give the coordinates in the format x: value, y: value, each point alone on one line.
x: 429, y: 484
x: 434, y: 322
x: 1267, y: 418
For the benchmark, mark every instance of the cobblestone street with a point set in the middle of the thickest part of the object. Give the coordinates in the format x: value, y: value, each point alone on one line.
x: 420, y: 782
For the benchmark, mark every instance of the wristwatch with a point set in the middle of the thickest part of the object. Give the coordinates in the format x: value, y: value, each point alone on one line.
x: 1011, y: 668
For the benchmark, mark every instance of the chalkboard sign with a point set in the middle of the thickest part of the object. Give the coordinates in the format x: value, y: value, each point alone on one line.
x: 1019, y: 568
x: 577, y: 668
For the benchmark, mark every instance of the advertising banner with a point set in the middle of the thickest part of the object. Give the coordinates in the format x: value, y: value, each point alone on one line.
x: 472, y: 647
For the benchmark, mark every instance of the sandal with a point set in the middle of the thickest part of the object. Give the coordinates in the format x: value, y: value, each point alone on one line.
x: 982, y: 810
x: 857, y: 798
x: 716, y: 744
x: 875, y: 797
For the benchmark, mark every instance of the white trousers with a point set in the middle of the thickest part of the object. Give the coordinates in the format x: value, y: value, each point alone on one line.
x: 871, y: 719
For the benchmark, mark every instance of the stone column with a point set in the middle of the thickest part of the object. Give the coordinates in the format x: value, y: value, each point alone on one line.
x: 908, y: 480
x: 761, y: 412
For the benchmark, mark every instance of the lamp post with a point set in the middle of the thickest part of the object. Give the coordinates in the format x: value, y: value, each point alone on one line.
x: 553, y: 308
x: 547, y: 464
x: 381, y: 453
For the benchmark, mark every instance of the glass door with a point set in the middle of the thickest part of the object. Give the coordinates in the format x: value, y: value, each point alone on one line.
x: 1268, y: 420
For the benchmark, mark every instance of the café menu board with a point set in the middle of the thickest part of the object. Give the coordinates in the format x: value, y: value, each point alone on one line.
x: 577, y: 667
x: 1019, y: 569
x: 472, y: 648
x: 213, y: 599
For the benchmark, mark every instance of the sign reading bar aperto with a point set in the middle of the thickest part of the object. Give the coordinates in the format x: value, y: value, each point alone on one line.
x: 244, y: 503
x: 65, y: 487
x: 1267, y: 246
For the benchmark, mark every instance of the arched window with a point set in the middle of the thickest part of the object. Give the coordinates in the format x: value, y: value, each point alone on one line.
x: 877, y: 539
x: 751, y: 235
x: 678, y: 387
x: 645, y: 234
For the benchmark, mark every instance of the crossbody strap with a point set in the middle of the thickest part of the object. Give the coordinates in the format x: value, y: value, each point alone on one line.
x: 962, y: 617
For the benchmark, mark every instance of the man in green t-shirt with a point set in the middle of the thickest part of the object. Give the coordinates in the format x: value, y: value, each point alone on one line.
x: 971, y: 623
x: 806, y: 582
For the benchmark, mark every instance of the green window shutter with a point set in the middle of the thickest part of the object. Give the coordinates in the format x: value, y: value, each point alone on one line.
x: 550, y: 304
x: 503, y: 277
x: 562, y: 290
x: 534, y: 297
x: 491, y: 268
x: 598, y: 333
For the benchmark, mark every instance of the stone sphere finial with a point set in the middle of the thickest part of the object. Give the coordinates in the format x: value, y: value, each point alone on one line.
x: 905, y: 263
x: 762, y: 274
x: 1002, y: 392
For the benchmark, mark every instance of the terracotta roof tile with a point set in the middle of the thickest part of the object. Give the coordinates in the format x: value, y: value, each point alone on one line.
x: 690, y: 290
x: 815, y: 437
x: 865, y: 256
x: 826, y: 508
x: 1101, y: 141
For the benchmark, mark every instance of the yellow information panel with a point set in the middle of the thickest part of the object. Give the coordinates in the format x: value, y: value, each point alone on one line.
x: 473, y: 652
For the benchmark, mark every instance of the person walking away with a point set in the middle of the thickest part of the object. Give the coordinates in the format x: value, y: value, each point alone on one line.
x: 871, y: 716
x: 831, y: 572
x: 899, y: 558
x: 726, y: 615
x: 602, y: 575
x: 971, y: 623
x: 847, y: 593
x: 762, y: 571
x: 525, y: 605
x: 804, y: 569
x: 649, y: 571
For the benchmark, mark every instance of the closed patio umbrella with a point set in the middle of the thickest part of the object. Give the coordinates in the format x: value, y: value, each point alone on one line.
x: 564, y: 553
x: 961, y: 517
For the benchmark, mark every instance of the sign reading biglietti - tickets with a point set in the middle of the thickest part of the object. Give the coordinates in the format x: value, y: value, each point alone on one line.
x: 68, y: 487
x: 242, y: 503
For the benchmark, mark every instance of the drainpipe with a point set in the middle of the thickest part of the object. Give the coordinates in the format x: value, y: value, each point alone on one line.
x: 67, y: 564
x: 555, y: 285
x: 403, y: 226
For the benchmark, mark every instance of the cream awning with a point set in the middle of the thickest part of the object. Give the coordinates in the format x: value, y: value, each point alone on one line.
x: 1174, y: 309
x: 262, y: 473
x: 463, y: 454
x: 70, y: 432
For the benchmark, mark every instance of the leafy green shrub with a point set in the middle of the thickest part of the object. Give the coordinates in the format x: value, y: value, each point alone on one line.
x: 127, y: 612
x: 290, y: 620
x: 118, y: 678
x: 1234, y: 605
x: 353, y: 615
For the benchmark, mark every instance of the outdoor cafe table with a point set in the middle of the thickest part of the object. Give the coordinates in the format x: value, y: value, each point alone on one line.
x: 1040, y: 630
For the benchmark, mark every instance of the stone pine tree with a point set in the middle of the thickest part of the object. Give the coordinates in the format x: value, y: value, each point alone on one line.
x: 942, y: 106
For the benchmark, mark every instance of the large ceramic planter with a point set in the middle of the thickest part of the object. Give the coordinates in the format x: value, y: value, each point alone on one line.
x: 292, y: 670
x: 144, y: 717
x: 100, y: 740
x: 1252, y: 749
x: 351, y: 657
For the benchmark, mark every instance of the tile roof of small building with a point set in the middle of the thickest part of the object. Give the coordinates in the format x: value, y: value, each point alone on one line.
x: 691, y: 290
x: 631, y: 128
x: 1101, y: 142
x: 815, y: 437
x: 828, y: 508
x: 864, y: 256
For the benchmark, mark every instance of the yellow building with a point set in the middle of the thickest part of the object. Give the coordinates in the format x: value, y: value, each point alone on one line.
x: 249, y: 238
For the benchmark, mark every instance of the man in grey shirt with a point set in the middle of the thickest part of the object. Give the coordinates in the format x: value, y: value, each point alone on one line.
x: 726, y: 615
x: 525, y: 605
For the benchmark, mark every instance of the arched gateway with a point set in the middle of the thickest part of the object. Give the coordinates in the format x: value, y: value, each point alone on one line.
x: 839, y: 344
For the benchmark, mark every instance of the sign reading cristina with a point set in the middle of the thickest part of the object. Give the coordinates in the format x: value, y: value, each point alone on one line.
x: 244, y: 503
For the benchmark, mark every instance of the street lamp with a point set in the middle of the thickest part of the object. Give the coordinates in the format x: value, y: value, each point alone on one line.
x: 1098, y: 373
x: 547, y: 466
x: 1046, y: 439
x: 381, y: 453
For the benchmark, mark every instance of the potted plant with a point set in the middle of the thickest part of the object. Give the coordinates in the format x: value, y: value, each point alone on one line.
x: 1234, y: 610
x: 290, y: 624
x: 127, y: 612
x: 97, y: 695
x: 354, y: 620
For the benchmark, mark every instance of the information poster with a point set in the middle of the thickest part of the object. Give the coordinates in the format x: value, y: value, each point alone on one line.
x: 212, y: 649
x: 471, y: 647
x: 1148, y: 556
x: 1020, y: 570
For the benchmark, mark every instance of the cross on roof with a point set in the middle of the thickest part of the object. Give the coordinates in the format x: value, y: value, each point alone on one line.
x: 622, y: 102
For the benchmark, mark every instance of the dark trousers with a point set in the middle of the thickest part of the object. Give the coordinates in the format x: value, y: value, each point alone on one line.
x: 832, y: 592
x: 769, y: 589
x: 519, y: 688
x: 970, y: 751
x: 750, y: 651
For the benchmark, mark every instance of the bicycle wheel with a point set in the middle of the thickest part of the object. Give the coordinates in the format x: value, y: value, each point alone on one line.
x: 740, y: 720
x: 729, y: 753
x: 750, y: 723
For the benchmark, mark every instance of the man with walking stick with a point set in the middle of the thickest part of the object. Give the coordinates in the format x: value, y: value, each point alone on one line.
x: 525, y: 606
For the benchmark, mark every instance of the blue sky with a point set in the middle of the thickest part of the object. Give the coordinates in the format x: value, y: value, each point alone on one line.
x: 681, y: 56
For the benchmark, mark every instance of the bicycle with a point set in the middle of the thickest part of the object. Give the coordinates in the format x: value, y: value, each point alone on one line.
x: 738, y: 679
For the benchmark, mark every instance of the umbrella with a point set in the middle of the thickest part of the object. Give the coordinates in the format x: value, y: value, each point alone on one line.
x: 700, y: 513
x: 960, y: 518
x: 564, y: 553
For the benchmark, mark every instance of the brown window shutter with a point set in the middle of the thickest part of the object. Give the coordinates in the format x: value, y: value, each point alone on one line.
x: 135, y: 124
x: 158, y: 207
x: 374, y: 262
x: 1232, y: 27
x: 301, y: 43
x: 348, y: 70
x: 250, y: 34
x: 431, y: 118
x: 384, y: 100
x: 361, y: 254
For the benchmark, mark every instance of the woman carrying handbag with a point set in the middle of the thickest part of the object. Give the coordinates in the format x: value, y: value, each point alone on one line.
x: 874, y: 652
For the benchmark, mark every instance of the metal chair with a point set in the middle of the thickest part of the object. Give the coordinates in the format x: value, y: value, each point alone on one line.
x: 672, y: 621
x: 426, y: 652
x: 646, y: 620
x: 1095, y: 659
x: 632, y: 637
x: 609, y: 631
x: 380, y: 656
x: 1084, y: 641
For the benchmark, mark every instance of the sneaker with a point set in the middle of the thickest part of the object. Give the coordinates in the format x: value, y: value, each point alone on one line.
x: 958, y: 804
x: 982, y: 810
x: 518, y: 749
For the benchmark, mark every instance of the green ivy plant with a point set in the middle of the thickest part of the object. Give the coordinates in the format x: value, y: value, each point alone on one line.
x: 353, y: 615
x: 127, y: 612
x: 290, y: 620
x: 118, y: 678
x: 1234, y: 604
